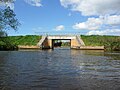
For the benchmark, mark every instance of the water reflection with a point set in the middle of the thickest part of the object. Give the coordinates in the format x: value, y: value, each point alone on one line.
x: 59, y: 69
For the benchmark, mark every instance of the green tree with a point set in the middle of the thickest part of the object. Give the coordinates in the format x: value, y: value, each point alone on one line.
x: 8, y: 20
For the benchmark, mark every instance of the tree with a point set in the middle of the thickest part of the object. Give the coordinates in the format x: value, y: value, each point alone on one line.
x: 8, y: 20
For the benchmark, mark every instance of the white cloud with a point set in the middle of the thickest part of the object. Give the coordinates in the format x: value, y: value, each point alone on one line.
x: 93, y: 7
x: 59, y: 28
x: 80, y: 26
x: 98, y: 23
x: 8, y: 3
x: 112, y: 20
x: 105, y: 32
x: 90, y: 24
x: 108, y: 12
x: 36, y: 3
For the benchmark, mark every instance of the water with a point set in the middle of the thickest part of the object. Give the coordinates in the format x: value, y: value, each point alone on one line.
x: 60, y: 69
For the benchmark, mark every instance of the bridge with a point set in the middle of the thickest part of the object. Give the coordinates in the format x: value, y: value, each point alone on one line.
x: 47, y: 41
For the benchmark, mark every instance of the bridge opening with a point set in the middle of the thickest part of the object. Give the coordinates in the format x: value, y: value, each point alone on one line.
x: 56, y: 43
x: 50, y: 42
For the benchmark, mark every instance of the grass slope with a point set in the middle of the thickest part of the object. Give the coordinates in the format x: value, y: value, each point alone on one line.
x: 110, y: 42
x: 97, y: 40
x: 25, y: 40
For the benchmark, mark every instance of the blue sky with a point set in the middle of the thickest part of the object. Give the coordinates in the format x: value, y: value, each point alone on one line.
x: 45, y: 18
x: 84, y: 16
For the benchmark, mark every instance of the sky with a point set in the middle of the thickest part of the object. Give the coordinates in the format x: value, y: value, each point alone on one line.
x: 88, y: 17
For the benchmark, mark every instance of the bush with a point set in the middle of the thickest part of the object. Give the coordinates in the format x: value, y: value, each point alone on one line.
x: 112, y: 44
x: 5, y: 44
x: 12, y: 42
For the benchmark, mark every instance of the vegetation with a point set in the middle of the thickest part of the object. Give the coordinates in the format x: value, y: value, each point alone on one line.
x: 12, y: 42
x: 7, y: 21
x: 111, y: 43
x: 93, y: 40
x: 6, y: 44
x: 24, y: 40
x: 64, y: 43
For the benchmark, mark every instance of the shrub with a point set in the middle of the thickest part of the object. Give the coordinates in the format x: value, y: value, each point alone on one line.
x: 5, y: 44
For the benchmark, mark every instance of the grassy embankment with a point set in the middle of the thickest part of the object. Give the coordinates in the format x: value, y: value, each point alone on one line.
x: 110, y: 42
x: 12, y: 42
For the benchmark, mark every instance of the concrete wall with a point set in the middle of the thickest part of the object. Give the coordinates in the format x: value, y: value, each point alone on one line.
x: 45, y: 44
x: 74, y: 43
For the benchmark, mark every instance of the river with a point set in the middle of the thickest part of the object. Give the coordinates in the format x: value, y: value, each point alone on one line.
x: 59, y: 69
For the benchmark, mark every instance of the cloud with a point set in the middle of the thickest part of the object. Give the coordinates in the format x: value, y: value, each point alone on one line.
x: 59, y: 28
x: 7, y: 3
x: 113, y: 20
x: 101, y: 22
x: 93, y: 7
x: 90, y: 24
x: 36, y: 3
x: 107, y: 12
x: 10, y: 3
x: 105, y: 32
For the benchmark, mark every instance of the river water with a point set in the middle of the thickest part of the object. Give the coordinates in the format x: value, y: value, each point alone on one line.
x: 59, y: 69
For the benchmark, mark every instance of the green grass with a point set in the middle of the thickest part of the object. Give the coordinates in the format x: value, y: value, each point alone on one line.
x: 12, y: 42
x: 96, y: 40
x: 110, y: 42
x: 25, y: 40
x: 92, y: 40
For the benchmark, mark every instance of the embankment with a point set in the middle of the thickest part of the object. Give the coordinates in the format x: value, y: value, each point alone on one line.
x: 109, y: 43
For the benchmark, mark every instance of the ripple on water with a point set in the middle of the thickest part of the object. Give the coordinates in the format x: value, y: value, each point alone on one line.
x: 59, y: 69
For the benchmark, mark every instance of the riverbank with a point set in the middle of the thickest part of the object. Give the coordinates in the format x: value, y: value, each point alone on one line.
x: 28, y: 47
x: 93, y: 42
x: 77, y: 48
x: 89, y: 48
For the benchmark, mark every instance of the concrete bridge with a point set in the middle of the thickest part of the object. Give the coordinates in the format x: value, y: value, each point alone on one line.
x: 47, y: 41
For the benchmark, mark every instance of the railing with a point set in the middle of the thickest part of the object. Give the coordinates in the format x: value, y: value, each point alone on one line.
x: 58, y: 33
x: 80, y: 40
x: 42, y: 40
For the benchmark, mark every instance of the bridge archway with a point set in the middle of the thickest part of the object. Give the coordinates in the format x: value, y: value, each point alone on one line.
x: 61, y: 43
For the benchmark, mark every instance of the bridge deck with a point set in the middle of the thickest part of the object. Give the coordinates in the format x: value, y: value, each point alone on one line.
x: 63, y: 37
x: 59, y: 33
